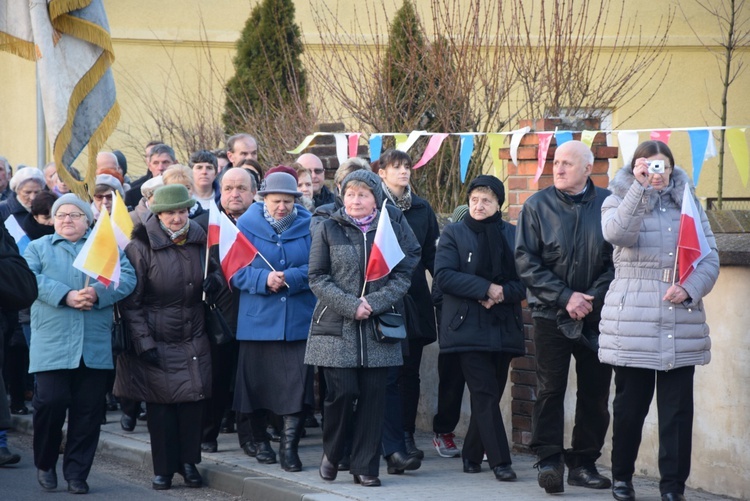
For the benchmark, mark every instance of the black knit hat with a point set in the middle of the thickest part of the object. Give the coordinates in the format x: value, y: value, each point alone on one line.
x: 490, y: 182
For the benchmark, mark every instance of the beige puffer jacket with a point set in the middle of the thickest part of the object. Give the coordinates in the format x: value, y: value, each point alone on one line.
x: 638, y: 329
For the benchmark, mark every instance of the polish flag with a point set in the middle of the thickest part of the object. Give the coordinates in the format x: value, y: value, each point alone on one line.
x: 213, y: 224
x: 235, y: 250
x: 692, y: 245
x: 386, y: 252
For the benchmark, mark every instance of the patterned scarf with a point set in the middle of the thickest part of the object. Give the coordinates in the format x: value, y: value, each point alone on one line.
x: 279, y: 225
x: 365, y: 222
x: 403, y: 202
x: 178, y: 237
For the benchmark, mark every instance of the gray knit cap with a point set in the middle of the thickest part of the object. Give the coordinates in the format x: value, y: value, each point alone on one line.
x: 70, y: 198
x: 368, y: 177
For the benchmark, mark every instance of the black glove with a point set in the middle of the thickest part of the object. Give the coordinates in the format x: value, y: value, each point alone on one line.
x: 212, y: 285
x: 151, y: 357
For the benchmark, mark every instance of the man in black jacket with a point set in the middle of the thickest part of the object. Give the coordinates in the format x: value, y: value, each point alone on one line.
x: 566, y: 264
x: 158, y: 158
x: 17, y: 291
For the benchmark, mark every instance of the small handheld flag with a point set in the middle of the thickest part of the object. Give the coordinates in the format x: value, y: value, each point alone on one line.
x: 386, y: 252
x: 100, y: 257
x: 692, y: 245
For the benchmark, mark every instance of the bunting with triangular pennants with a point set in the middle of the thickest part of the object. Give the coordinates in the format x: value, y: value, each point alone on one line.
x: 702, y: 145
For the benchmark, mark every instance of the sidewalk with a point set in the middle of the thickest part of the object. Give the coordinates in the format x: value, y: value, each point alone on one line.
x: 231, y: 471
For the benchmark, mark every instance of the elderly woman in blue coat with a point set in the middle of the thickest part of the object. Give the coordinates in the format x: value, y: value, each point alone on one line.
x: 71, y: 347
x: 275, y: 309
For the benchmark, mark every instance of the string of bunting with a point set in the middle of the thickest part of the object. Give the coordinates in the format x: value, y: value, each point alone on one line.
x: 702, y: 145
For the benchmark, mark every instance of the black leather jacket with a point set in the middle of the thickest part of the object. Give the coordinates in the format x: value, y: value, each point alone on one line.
x: 560, y: 250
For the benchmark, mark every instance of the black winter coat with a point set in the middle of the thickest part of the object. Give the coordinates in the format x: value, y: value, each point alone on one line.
x: 465, y: 324
x: 560, y: 250
x: 165, y: 312
x: 422, y: 220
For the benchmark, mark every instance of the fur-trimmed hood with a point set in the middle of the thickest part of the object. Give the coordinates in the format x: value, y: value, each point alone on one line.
x: 624, y: 178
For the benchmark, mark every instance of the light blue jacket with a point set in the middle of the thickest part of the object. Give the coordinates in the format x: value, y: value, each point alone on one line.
x: 285, y: 315
x: 60, y: 335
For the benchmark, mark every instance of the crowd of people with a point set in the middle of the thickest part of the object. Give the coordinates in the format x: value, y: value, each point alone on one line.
x: 594, y: 265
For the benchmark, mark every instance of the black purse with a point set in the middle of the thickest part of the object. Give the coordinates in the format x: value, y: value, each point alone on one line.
x: 120, y: 336
x: 390, y: 327
x: 216, y: 327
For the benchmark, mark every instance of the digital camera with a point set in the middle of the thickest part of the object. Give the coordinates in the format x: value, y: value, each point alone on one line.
x: 656, y: 167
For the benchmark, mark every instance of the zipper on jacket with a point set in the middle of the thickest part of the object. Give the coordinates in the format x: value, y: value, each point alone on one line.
x: 317, y: 321
x: 364, y: 285
x: 622, y: 303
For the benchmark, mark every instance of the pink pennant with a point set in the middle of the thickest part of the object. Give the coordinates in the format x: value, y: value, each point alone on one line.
x: 432, y: 148
x: 544, y: 139
x: 353, y: 144
x: 661, y: 135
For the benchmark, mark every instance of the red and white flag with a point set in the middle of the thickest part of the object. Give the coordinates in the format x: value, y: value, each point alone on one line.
x: 386, y: 252
x: 692, y: 245
x: 213, y: 224
x: 235, y: 250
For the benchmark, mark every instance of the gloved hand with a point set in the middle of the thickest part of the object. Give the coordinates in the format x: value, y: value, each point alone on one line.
x: 151, y: 357
x: 211, y: 285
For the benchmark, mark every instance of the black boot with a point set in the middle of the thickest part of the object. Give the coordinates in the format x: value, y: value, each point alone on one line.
x: 265, y: 453
x: 290, y: 435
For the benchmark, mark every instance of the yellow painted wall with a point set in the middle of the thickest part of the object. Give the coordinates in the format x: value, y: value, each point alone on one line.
x: 160, y: 48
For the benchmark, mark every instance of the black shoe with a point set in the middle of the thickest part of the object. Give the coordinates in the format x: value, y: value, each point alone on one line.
x: 327, y: 469
x: 190, y: 473
x: 471, y: 466
x: 250, y: 449
x: 588, y: 476
x: 111, y: 402
x: 273, y: 433
x: 227, y: 425
x: 366, y: 480
x: 345, y: 463
x: 78, y: 487
x: 143, y: 416
x: 504, y: 473
x: 19, y: 410
x: 265, y: 453
x: 622, y: 490
x: 288, y: 448
x: 551, y: 472
x: 127, y: 423
x: 411, y: 447
x: 311, y: 422
x: 209, y: 446
x: 47, y: 479
x: 398, y: 462
x: 672, y: 496
x: 7, y: 457
x: 161, y: 482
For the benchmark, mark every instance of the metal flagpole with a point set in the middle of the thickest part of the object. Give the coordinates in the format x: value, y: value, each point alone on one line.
x: 41, y: 129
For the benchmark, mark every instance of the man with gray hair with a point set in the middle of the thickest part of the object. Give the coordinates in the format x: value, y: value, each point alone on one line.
x: 566, y: 265
x: 321, y: 194
x: 240, y: 147
x: 160, y: 157
x: 5, y: 190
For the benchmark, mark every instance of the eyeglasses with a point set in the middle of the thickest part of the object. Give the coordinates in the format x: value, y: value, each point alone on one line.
x: 75, y: 216
x: 108, y: 196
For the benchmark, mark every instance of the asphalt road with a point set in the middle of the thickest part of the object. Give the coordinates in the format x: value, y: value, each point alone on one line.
x: 109, y: 480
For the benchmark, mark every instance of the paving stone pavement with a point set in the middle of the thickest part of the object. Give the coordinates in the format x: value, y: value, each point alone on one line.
x: 231, y: 471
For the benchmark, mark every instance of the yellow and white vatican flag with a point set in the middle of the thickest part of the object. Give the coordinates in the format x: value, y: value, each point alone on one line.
x: 70, y: 42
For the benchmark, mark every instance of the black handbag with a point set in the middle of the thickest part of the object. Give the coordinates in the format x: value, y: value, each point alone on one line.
x: 390, y: 327
x: 216, y: 326
x: 120, y: 336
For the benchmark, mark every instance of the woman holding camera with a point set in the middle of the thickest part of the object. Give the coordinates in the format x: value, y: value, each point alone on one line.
x: 653, y: 328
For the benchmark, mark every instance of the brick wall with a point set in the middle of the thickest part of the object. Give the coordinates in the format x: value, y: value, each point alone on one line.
x: 520, y: 185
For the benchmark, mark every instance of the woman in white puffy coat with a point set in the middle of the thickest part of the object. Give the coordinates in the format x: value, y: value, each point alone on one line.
x: 653, y: 331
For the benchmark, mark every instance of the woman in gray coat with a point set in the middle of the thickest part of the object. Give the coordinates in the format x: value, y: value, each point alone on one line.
x: 653, y: 328
x: 342, y: 337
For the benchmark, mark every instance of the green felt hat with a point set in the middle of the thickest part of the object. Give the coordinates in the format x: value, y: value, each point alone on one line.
x: 171, y: 197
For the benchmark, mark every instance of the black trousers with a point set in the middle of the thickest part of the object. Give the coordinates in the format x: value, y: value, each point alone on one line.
x: 409, y: 383
x: 451, y: 384
x: 553, y: 352
x: 674, y: 403
x: 366, y: 387
x: 393, y: 427
x: 79, y: 393
x: 486, y: 375
x: 175, y: 433
x: 222, y: 375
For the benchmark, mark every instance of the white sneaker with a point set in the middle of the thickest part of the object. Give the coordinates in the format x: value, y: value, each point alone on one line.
x: 445, y: 446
